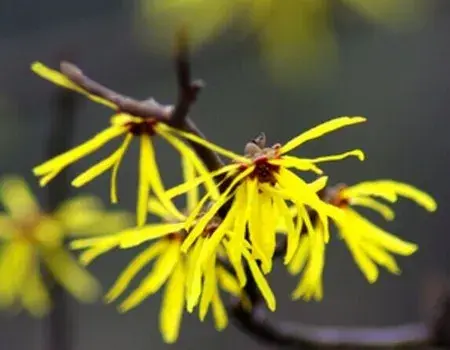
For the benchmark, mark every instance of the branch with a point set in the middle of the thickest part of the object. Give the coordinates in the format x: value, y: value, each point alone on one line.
x: 174, y: 116
x: 187, y: 89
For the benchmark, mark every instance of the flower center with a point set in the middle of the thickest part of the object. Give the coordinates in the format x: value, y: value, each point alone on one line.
x: 40, y: 230
x: 177, y: 236
x: 264, y: 171
x: 334, y: 196
x: 145, y: 127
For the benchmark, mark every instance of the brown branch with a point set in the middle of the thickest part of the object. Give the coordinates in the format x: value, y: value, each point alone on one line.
x: 187, y: 89
x: 174, y: 116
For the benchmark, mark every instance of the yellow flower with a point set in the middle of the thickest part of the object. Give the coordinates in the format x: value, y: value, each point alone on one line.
x: 121, y: 125
x: 29, y: 237
x: 261, y: 186
x: 186, y: 285
x: 293, y: 34
x: 369, y: 245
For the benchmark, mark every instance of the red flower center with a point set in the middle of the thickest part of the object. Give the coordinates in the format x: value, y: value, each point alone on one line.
x: 264, y: 171
x: 146, y: 127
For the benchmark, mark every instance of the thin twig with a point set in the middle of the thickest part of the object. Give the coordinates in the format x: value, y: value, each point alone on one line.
x: 174, y: 116
x: 187, y: 89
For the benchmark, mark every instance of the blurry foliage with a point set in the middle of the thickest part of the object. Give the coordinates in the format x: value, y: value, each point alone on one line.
x: 296, y: 37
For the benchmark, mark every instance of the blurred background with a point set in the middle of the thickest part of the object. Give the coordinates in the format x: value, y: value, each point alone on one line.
x: 398, y: 79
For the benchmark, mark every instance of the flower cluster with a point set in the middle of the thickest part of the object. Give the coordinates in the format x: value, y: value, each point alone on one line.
x: 31, y: 239
x: 231, y: 234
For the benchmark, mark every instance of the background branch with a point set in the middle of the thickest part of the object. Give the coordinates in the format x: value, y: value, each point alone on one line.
x: 62, y: 122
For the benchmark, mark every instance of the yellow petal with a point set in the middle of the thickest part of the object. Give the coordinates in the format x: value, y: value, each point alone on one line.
x: 17, y: 198
x: 79, y: 212
x: 136, y: 236
x: 194, y: 275
x: 365, y: 264
x: 188, y: 154
x: 144, y: 181
x: 219, y: 312
x: 369, y: 188
x: 95, y: 241
x: 35, y: 297
x: 311, y: 283
x: 293, y: 236
x: 48, y: 232
x: 189, y: 176
x: 96, y: 170
x: 190, y: 185
x: 237, y: 264
x: 261, y: 282
x: 300, y: 192
x: 371, y: 232
x: 318, y: 184
x: 211, y: 146
x: 242, y: 202
x: 199, y: 227
x: 154, y: 178
x: 228, y: 282
x: 421, y: 198
x: 373, y: 204
x: 16, y: 260
x: 301, y: 256
x: 70, y: 275
x: 107, y: 223
x: 89, y: 255
x: 209, y: 288
x: 161, y: 271
x: 60, y: 79
x: 58, y: 163
x: 212, y: 243
x: 381, y: 257
x: 191, y: 220
x: 262, y: 230
x: 354, y: 153
x: 133, y: 268
x: 319, y: 131
x: 122, y: 119
x: 156, y: 208
x: 172, y: 306
x: 297, y: 163
x: 120, y: 153
x: 8, y: 228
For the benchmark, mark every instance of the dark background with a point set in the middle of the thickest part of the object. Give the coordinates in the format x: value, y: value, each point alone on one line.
x: 399, y: 81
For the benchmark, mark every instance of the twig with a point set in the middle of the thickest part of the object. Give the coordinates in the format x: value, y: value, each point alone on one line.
x: 174, y: 116
x: 62, y: 124
x: 187, y: 89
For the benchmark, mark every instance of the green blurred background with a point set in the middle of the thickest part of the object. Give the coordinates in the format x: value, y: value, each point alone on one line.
x: 399, y: 80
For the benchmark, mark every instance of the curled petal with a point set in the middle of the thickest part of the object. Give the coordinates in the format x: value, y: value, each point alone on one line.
x: 60, y: 79
x: 320, y: 130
